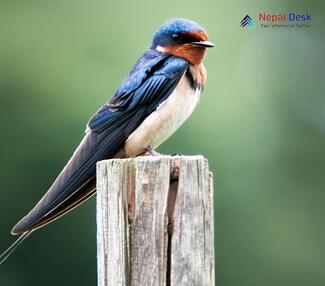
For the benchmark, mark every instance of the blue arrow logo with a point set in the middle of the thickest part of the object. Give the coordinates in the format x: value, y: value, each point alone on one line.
x: 247, y: 20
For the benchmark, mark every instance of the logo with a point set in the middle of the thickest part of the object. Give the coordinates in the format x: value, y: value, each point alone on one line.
x: 247, y: 20
x: 278, y: 20
x: 284, y: 17
x: 285, y: 20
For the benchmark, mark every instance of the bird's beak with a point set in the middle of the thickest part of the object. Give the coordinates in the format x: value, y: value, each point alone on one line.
x: 205, y: 44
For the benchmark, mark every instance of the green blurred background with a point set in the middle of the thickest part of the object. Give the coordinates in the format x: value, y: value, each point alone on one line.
x: 260, y: 122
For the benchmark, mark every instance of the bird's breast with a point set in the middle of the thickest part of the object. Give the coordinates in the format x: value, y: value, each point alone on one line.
x: 166, y: 119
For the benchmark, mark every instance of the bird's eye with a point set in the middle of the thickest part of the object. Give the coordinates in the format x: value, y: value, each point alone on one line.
x: 176, y: 37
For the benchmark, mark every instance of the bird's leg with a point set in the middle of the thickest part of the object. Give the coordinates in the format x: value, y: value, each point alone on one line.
x: 150, y: 152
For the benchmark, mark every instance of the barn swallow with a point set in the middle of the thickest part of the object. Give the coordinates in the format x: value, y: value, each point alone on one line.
x: 158, y: 95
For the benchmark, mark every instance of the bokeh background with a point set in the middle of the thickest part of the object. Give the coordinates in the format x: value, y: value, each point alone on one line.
x: 260, y: 122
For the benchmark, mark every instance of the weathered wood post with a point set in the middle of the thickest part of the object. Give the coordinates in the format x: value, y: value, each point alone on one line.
x: 155, y: 222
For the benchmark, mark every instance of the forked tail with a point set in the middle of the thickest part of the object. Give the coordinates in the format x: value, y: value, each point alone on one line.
x: 13, y: 247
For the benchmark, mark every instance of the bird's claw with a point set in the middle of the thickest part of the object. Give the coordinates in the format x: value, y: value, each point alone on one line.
x: 150, y: 152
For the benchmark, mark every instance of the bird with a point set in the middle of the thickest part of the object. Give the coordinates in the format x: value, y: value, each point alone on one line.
x: 159, y: 93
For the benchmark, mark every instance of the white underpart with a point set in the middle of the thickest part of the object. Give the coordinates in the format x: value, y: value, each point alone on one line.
x: 165, y: 120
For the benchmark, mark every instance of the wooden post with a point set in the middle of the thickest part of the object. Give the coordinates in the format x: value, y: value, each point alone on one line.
x: 155, y: 221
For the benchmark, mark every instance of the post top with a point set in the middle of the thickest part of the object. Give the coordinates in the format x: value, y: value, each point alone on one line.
x: 154, y: 159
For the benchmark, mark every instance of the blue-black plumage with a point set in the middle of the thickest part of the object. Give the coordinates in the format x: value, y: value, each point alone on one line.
x: 157, y: 96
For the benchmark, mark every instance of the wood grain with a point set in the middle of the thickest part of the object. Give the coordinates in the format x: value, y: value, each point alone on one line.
x: 192, y: 255
x: 153, y: 229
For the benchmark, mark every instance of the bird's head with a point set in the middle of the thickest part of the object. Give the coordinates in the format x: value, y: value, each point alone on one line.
x: 182, y: 38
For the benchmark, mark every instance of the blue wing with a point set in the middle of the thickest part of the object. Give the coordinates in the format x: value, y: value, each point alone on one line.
x: 150, y: 82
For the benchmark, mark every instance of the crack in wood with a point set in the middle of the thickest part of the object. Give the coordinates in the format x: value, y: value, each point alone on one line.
x: 155, y: 222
